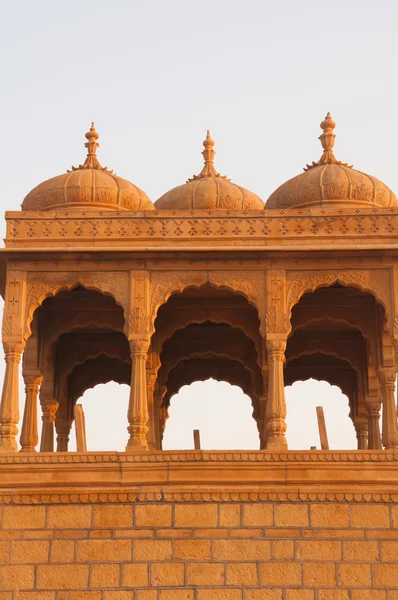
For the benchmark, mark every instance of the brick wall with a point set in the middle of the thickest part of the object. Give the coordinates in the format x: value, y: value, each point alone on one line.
x: 205, y: 550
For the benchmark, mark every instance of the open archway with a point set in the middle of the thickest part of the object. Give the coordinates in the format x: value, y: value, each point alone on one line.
x: 220, y: 411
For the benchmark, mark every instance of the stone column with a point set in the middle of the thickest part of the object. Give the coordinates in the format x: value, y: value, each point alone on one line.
x: 389, y: 424
x: 361, y: 430
x: 9, y: 406
x: 150, y: 387
x: 137, y: 413
x: 276, y: 403
x: 47, y: 433
x: 373, y: 405
x: 29, y: 436
x: 62, y: 428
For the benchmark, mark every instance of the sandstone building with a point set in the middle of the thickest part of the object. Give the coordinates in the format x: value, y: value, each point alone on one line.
x: 102, y: 284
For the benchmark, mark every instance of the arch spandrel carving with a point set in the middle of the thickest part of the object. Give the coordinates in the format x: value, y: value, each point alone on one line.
x: 374, y: 281
x: 41, y: 285
x: 250, y: 285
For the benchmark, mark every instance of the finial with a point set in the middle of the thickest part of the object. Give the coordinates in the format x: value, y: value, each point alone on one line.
x: 91, y: 161
x: 327, y: 140
x: 208, y: 154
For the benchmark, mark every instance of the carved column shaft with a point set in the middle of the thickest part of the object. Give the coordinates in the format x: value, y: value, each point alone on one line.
x: 276, y: 404
x: 62, y: 428
x: 151, y: 381
x: 138, y: 404
x: 373, y: 405
x: 47, y: 433
x: 29, y: 435
x: 361, y: 430
x: 9, y: 406
x: 389, y: 424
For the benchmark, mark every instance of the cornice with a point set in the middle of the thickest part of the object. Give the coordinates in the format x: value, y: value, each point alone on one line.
x: 193, y: 476
x: 249, y: 230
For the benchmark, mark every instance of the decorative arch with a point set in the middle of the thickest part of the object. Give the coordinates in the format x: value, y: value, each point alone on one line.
x: 374, y: 281
x: 250, y: 285
x: 45, y: 285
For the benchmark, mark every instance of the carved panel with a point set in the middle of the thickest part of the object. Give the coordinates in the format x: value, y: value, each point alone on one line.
x: 164, y: 284
x: 41, y: 285
x: 375, y: 281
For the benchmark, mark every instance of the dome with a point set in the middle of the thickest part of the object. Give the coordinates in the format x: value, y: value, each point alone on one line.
x: 330, y: 183
x: 209, y: 190
x: 87, y: 186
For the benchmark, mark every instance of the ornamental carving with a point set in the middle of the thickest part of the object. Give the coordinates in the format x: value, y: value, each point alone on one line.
x: 41, y: 285
x: 137, y: 322
x: 163, y: 285
x: 376, y: 282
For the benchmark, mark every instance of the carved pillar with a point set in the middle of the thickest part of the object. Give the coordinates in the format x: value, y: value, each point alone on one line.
x: 9, y: 406
x: 389, y: 426
x: 138, y: 404
x: 62, y: 428
x: 373, y: 405
x: 29, y: 435
x: 361, y: 430
x: 150, y: 386
x: 276, y: 403
x: 47, y: 433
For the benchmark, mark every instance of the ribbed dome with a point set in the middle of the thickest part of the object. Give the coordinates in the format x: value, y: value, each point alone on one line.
x: 209, y: 190
x: 331, y: 183
x: 88, y: 186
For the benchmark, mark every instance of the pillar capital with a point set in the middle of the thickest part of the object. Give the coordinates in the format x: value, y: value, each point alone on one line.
x: 13, y: 351
x: 139, y: 347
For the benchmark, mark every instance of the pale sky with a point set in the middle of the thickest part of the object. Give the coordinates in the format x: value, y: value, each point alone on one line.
x: 154, y: 76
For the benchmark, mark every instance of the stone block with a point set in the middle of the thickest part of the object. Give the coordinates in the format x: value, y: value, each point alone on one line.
x: 385, y: 575
x: 282, y: 549
x: 153, y: 515
x: 258, y: 514
x: 362, y: 550
x: 147, y: 594
x: 105, y: 576
x: 62, y: 551
x: 389, y: 551
x: 195, y: 515
x: 370, y: 515
x: 192, y: 549
x: 171, y: 594
x: 167, y: 574
x: 103, y: 550
x: 372, y: 595
x: 229, y: 515
x: 152, y: 550
x: 205, y: 574
x: 17, y: 577
x: 135, y: 575
x: 333, y: 595
x: 4, y: 553
x: 62, y: 577
x: 329, y: 515
x: 24, y: 517
x: 318, y: 550
x: 280, y: 573
x: 240, y: 549
x: 319, y: 573
x: 112, y: 515
x: 242, y: 574
x: 263, y: 594
x: 355, y: 575
x: 28, y: 552
x: 79, y: 595
x: 297, y: 594
x: 291, y: 515
x: 32, y: 596
x: 69, y: 516
x: 119, y: 595
x: 219, y: 594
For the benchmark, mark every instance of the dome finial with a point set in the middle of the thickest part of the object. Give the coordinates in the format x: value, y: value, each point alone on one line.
x: 92, y: 161
x: 208, y: 154
x: 327, y: 140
